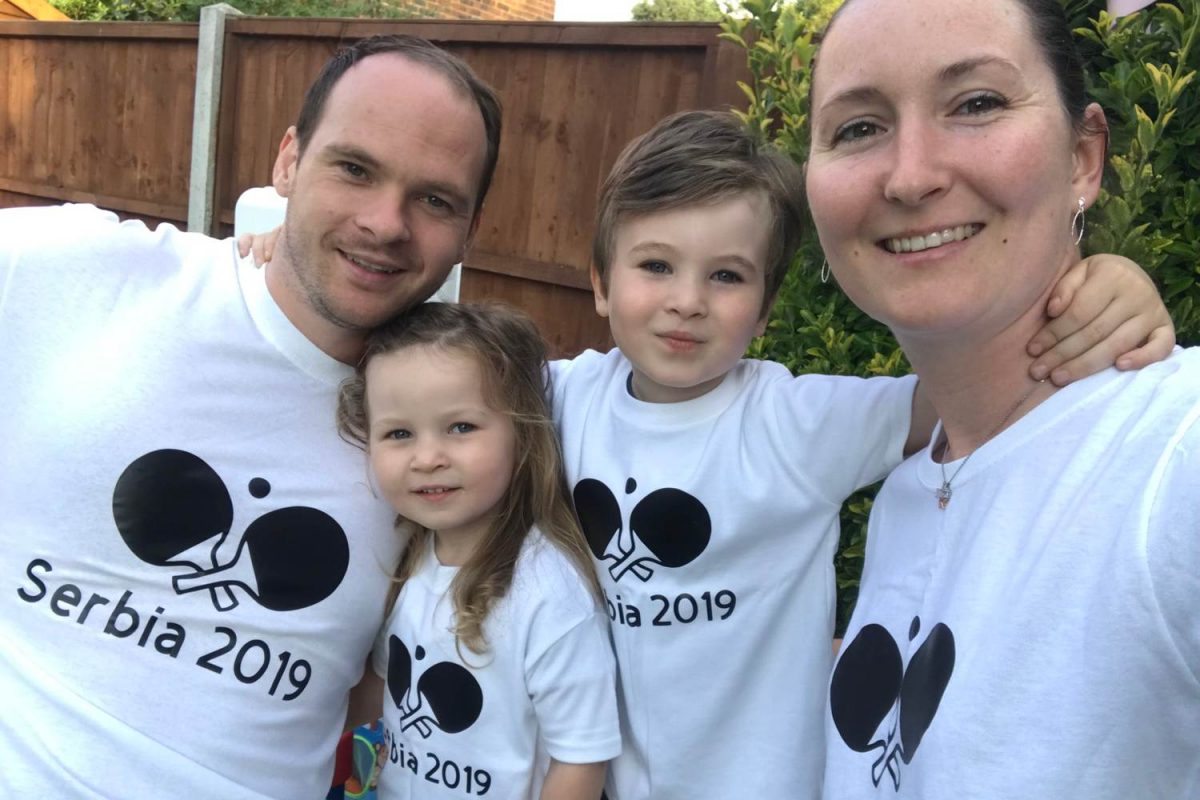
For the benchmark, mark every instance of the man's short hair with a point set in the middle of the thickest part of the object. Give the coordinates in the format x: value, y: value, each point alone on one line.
x: 421, y: 51
x: 698, y: 158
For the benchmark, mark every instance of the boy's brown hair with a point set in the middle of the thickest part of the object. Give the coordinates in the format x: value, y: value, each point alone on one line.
x: 697, y: 158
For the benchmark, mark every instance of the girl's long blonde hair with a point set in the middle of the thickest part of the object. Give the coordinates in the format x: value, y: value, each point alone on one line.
x: 512, y: 359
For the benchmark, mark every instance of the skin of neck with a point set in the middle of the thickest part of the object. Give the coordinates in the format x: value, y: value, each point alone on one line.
x: 343, y: 344
x: 974, y: 380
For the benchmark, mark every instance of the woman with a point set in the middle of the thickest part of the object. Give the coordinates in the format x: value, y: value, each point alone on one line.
x: 1029, y: 619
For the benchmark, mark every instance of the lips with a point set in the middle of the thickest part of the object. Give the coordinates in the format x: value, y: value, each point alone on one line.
x: 373, y: 265
x: 434, y: 493
x: 932, y: 240
x: 680, y: 340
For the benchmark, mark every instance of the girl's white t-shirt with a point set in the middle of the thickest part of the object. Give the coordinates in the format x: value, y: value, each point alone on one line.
x: 463, y: 724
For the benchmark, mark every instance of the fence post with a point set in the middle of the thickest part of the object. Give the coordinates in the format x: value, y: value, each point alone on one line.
x: 209, y: 54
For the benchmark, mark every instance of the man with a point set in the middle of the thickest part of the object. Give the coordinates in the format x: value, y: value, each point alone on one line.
x: 193, y: 564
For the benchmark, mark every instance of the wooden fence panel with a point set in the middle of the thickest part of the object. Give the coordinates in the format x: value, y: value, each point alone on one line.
x: 98, y: 112
x: 101, y: 112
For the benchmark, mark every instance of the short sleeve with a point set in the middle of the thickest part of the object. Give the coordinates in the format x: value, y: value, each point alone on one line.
x: 573, y: 688
x: 838, y: 434
x: 1173, y: 542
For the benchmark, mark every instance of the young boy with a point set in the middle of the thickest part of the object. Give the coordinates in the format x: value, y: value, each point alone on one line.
x: 709, y: 485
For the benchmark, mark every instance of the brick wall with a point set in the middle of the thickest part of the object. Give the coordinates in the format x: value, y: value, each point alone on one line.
x: 481, y: 9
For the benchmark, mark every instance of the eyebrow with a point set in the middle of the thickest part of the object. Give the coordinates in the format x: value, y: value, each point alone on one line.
x: 968, y: 65
x: 947, y: 74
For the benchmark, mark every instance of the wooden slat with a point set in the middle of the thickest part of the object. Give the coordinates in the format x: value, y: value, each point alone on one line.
x: 563, y: 275
x: 61, y: 195
x: 101, y: 30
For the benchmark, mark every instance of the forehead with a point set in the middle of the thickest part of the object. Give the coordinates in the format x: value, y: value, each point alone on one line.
x: 895, y: 42
x: 404, y: 113
x: 740, y: 218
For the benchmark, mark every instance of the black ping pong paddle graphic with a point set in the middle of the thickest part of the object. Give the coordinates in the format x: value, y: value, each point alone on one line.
x: 865, y: 686
x: 294, y: 557
x: 670, y: 528
x: 600, y: 517
x: 870, y: 680
x: 166, y: 504
x: 448, y: 697
x: 399, y: 672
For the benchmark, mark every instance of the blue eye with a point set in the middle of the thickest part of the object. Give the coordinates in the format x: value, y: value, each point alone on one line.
x: 398, y: 434
x: 352, y: 169
x: 655, y: 267
x: 727, y: 276
x: 462, y: 427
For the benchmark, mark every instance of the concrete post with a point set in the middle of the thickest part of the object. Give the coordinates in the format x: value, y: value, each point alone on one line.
x: 209, y: 53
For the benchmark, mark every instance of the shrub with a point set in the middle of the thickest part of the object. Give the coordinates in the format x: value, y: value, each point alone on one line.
x: 1141, y: 70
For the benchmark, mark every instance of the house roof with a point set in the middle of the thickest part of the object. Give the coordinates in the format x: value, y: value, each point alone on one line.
x: 29, y: 9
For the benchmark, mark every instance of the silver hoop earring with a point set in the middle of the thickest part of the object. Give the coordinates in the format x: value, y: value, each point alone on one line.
x: 1079, y: 221
x: 825, y: 271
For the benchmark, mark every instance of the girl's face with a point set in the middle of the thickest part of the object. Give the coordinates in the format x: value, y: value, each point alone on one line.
x: 441, y: 455
x: 944, y: 171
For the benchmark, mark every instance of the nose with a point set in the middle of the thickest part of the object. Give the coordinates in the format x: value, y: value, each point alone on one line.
x: 429, y: 454
x: 687, y: 296
x: 917, y: 171
x: 383, y: 214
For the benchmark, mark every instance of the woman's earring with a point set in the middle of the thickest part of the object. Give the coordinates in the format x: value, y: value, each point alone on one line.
x: 825, y: 271
x: 1079, y: 222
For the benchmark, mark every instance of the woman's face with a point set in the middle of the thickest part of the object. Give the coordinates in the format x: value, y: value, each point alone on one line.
x: 944, y: 172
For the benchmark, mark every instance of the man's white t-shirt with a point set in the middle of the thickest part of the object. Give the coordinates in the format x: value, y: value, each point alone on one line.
x: 1040, y: 637
x: 192, y: 565
x: 464, y: 724
x: 714, y: 523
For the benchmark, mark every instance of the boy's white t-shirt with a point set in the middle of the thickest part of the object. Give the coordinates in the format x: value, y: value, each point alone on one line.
x: 1040, y: 637
x: 464, y: 724
x: 155, y: 396
x: 714, y: 523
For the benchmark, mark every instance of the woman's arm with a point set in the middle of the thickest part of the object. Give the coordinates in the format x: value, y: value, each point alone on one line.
x: 574, y: 781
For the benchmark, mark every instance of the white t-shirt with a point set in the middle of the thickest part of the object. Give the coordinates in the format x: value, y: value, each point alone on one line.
x: 192, y: 566
x: 714, y: 523
x: 464, y: 724
x: 1040, y: 637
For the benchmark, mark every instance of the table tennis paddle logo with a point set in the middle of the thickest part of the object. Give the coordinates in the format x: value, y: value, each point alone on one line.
x: 446, y: 695
x: 667, y: 528
x: 173, y: 510
x: 870, y: 681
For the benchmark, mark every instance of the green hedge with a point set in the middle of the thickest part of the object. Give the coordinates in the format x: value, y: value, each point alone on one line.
x: 1141, y: 70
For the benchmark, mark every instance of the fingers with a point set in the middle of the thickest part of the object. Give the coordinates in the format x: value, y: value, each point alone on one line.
x: 1111, y: 338
x: 264, y: 246
x: 1064, y: 291
x: 1158, y: 346
x: 243, y: 244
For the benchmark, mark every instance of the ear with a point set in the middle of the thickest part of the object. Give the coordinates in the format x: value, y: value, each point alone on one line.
x: 1090, y: 155
x: 283, y: 175
x: 598, y: 291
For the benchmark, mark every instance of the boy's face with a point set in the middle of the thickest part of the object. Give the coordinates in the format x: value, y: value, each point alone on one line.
x: 685, y: 293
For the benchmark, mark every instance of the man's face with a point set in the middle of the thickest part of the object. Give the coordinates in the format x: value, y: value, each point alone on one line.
x: 381, y: 204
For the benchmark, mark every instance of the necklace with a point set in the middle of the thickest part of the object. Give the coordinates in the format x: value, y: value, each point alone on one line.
x: 945, y: 492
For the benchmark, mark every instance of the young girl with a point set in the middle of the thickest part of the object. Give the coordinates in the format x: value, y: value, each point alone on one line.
x: 499, y: 672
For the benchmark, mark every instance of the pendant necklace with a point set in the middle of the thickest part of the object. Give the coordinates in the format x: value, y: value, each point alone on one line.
x: 945, y: 492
